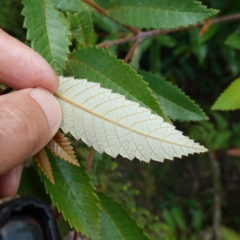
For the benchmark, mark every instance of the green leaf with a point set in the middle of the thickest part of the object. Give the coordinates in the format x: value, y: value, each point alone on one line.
x: 177, y: 214
x: 47, y: 32
x: 158, y: 14
x: 107, y: 24
x: 229, y: 234
x: 68, y: 5
x: 234, y: 40
x: 97, y: 65
x: 73, y: 194
x: 81, y: 26
x: 31, y: 185
x: 116, y: 223
x: 230, y: 98
x: 175, y: 103
x: 102, y: 3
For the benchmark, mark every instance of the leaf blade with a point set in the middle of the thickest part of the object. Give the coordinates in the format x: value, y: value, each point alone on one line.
x: 158, y: 14
x: 233, y: 40
x: 43, y: 163
x: 81, y: 26
x: 112, y: 73
x: 229, y: 99
x: 61, y: 146
x: 175, y: 103
x: 47, y: 32
x: 116, y: 222
x: 110, y: 123
x: 78, y: 201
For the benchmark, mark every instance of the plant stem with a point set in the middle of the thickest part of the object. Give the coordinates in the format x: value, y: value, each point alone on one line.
x: 217, y: 196
x: 90, y: 159
x: 140, y: 36
x: 75, y: 236
x: 130, y: 52
x: 96, y: 7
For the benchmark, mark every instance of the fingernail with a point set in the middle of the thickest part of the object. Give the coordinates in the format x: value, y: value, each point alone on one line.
x: 49, y: 105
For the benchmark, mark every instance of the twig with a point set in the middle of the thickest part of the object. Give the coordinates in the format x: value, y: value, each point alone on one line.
x: 5, y: 91
x: 90, y: 159
x: 104, y: 13
x: 75, y: 236
x: 143, y: 35
x: 130, y: 52
x: 96, y: 7
x: 217, y: 215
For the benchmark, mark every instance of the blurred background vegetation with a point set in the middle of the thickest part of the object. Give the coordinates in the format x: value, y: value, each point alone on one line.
x: 191, y: 197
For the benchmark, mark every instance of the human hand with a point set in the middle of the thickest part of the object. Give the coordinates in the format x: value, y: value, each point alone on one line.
x: 30, y: 117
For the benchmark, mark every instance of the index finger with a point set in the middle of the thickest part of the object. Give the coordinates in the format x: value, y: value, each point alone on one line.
x: 21, y: 67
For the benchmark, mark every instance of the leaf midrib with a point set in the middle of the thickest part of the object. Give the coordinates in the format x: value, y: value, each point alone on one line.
x: 119, y: 124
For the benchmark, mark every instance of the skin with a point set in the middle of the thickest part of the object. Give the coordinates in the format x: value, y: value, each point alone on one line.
x: 30, y: 117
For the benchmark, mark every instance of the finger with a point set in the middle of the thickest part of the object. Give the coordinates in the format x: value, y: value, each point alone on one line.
x: 29, y: 119
x: 21, y: 67
x: 9, y: 182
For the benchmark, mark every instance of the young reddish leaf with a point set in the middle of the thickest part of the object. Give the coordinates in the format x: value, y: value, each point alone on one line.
x: 61, y: 146
x: 42, y: 161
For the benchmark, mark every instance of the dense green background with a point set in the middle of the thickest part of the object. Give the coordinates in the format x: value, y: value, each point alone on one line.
x: 175, y: 200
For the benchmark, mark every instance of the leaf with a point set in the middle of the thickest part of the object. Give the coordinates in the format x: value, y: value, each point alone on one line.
x: 81, y: 26
x: 43, y: 163
x: 162, y: 14
x: 230, y: 98
x: 234, y: 40
x: 67, y: 5
x: 74, y: 196
x: 47, y: 32
x: 99, y: 66
x: 61, y: 146
x: 175, y: 103
x: 116, y: 223
x: 229, y: 234
x: 31, y: 185
x: 110, y: 123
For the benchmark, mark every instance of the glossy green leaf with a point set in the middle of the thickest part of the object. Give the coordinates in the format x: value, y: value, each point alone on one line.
x: 234, y: 40
x: 97, y: 65
x: 47, y: 32
x: 230, y: 98
x: 73, y: 194
x: 81, y: 26
x: 175, y: 103
x: 116, y: 223
x: 158, y: 13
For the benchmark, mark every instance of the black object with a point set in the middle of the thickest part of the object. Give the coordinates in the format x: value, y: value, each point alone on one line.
x: 27, y: 218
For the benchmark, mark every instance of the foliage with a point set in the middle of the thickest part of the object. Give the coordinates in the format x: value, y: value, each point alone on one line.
x: 170, y: 201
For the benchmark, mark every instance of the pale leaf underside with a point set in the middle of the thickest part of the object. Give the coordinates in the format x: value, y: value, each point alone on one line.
x: 42, y: 160
x: 110, y: 123
x: 61, y: 146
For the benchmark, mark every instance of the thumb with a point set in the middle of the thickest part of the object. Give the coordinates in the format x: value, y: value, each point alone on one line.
x: 29, y: 118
